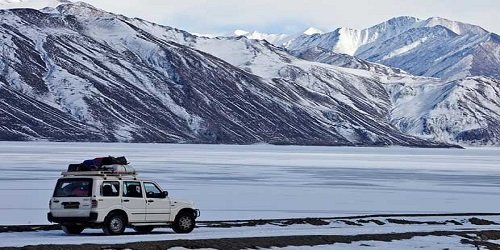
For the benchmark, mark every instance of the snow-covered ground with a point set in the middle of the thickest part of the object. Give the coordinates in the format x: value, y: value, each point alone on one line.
x: 265, y: 181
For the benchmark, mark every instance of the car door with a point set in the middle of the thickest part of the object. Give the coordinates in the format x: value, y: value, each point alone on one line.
x: 157, y: 203
x: 133, y: 201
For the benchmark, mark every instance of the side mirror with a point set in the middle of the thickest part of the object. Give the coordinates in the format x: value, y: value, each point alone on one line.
x: 165, y: 194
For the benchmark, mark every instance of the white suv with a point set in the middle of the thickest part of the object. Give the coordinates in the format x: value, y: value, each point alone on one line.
x: 116, y: 200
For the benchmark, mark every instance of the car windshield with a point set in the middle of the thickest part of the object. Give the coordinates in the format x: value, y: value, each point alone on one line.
x: 73, y: 188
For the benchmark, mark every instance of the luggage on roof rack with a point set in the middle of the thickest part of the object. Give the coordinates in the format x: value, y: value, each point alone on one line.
x: 110, y: 160
x: 97, y: 163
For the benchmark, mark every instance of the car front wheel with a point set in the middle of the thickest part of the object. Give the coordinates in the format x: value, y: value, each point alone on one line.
x: 184, y: 223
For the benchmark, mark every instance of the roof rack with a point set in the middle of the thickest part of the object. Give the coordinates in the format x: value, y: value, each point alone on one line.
x: 108, y: 170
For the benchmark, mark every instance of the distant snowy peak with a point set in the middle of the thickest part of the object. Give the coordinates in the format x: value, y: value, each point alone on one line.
x: 378, y: 33
x: 272, y: 38
x: 311, y: 31
x: 32, y: 4
x: 240, y: 33
x: 393, y: 26
x: 352, y: 41
x: 435, y: 47
x: 349, y: 41
x: 276, y: 39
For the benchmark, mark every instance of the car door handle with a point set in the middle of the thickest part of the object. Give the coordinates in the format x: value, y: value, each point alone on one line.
x: 125, y: 200
x: 56, y: 201
x: 151, y: 201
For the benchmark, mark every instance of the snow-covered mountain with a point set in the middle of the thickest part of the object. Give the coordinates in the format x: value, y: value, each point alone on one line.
x: 79, y: 73
x: 112, y: 78
x: 434, y: 47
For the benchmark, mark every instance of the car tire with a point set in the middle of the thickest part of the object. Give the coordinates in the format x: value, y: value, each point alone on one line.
x: 184, y: 223
x: 114, y: 224
x: 144, y: 229
x: 72, y: 229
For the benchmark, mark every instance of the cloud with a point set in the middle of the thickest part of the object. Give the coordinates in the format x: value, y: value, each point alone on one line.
x: 286, y: 16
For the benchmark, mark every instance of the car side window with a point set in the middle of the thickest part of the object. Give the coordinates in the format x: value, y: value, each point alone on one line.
x: 132, y: 189
x: 152, y: 191
x: 110, y: 188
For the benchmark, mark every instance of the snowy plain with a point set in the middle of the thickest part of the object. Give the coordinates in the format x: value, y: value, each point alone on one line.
x: 231, y: 182
x: 265, y: 181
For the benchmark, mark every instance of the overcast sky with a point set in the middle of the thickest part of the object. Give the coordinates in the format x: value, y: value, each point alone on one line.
x: 290, y: 16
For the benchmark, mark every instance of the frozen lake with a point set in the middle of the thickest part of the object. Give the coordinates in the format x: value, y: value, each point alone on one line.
x: 265, y: 181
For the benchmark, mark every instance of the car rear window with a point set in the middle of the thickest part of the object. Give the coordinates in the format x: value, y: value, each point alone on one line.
x: 81, y: 187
